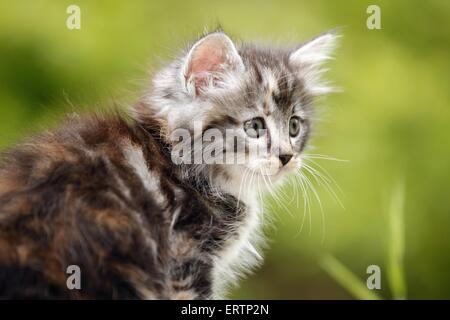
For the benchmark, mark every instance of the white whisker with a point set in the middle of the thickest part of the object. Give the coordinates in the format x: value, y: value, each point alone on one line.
x: 316, y: 195
x: 322, y: 157
x: 327, y: 180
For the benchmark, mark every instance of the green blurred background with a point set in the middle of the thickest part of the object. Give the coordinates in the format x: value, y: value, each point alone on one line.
x: 391, y: 122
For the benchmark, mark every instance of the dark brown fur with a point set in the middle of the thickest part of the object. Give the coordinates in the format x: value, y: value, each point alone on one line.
x: 60, y: 205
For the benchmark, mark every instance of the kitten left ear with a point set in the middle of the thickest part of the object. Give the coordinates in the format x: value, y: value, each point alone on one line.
x: 208, y: 61
x: 310, y: 57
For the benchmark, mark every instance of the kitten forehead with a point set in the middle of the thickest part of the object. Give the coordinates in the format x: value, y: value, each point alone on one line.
x: 269, y: 79
x: 271, y: 87
x: 273, y: 77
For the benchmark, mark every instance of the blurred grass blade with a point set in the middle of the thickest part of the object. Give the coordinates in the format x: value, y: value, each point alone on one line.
x: 347, y: 279
x: 396, y: 244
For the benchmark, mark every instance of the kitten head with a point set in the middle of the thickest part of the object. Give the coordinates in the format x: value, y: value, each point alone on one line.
x: 246, y: 108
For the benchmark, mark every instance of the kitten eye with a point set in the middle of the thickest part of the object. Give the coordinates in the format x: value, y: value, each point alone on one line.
x: 294, y: 126
x: 254, y: 127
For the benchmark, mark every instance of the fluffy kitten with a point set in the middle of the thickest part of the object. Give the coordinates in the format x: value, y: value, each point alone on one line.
x: 107, y: 193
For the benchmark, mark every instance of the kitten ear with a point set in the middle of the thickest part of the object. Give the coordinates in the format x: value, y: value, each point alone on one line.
x: 309, y: 59
x: 208, y: 61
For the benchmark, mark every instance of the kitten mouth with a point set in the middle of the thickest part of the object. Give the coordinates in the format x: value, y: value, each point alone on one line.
x: 275, y: 170
x: 267, y: 172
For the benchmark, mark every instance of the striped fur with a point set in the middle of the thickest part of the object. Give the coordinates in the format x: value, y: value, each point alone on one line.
x: 102, y: 192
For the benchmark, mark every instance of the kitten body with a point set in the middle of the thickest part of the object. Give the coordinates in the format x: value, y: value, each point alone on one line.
x: 104, y: 192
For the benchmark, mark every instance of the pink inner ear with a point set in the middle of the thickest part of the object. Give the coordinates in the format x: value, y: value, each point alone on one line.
x: 207, y: 58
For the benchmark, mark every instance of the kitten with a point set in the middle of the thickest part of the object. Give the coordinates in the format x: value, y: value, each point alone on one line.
x: 141, y: 219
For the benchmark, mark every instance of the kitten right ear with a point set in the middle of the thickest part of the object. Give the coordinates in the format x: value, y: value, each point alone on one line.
x: 208, y: 61
x: 310, y: 57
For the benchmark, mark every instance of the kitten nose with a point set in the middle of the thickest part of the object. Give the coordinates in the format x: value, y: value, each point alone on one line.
x: 284, y: 158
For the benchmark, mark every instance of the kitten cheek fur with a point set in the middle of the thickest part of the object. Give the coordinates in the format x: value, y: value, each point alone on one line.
x: 102, y: 192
